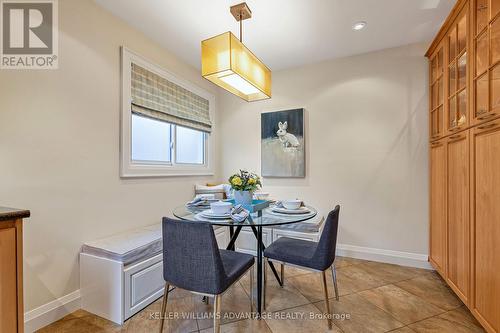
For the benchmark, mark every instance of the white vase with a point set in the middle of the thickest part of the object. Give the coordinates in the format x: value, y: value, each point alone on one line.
x: 243, y: 197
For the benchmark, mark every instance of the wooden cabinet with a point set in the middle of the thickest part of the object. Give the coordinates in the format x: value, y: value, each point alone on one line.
x: 11, y: 270
x: 485, y: 248
x: 465, y: 161
x: 486, y: 73
x: 457, y: 152
x: 438, y: 206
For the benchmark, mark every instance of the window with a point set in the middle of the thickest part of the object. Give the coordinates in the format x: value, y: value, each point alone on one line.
x: 152, y: 141
x: 165, y: 122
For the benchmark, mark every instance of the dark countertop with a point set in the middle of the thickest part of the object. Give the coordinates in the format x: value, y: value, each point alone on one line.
x: 7, y: 213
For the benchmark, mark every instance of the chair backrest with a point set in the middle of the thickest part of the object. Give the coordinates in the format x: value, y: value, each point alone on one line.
x: 191, y: 257
x: 325, y: 252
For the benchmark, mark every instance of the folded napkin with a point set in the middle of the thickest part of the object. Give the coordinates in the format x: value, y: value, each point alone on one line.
x: 199, y: 200
x: 239, y: 214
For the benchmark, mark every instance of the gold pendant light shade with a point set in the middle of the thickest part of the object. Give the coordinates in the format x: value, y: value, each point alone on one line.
x: 229, y: 64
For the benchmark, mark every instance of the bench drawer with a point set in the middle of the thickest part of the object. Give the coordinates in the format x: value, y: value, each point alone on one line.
x: 143, y: 284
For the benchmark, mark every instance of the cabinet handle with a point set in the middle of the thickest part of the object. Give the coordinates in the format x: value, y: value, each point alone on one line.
x: 454, y: 129
x: 487, y: 126
x: 455, y: 136
x: 486, y: 116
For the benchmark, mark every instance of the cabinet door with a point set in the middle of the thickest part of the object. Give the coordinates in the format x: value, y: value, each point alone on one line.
x: 8, y: 280
x: 458, y: 165
x: 438, y: 206
x: 486, y: 224
x: 486, y: 74
x: 457, y: 115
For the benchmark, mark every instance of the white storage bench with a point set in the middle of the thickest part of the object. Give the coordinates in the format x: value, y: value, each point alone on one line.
x: 122, y: 274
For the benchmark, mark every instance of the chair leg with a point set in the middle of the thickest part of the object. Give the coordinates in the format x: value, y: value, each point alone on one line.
x: 334, y: 276
x: 327, y: 303
x: 164, y: 306
x: 217, y: 306
x: 265, y: 284
x: 251, y: 288
x: 282, y: 275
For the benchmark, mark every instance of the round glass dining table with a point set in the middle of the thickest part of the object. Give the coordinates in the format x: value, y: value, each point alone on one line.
x: 256, y: 221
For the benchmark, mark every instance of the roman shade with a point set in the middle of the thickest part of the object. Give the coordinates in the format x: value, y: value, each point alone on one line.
x: 155, y: 97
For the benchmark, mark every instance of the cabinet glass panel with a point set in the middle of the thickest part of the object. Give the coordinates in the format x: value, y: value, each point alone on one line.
x: 495, y: 87
x: 462, y: 34
x: 440, y: 91
x: 481, y: 15
x: 462, y: 70
x: 452, y: 39
x: 433, y: 69
x: 452, y: 112
x: 481, y: 54
x: 482, y: 95
x: 495, y: 40
x: 434, y: 95
x: 462, y: 108
x: 452, y: 79
x: 437, y: 121
x: 440, y: 62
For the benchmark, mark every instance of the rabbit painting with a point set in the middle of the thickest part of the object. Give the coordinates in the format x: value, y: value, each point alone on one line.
x: 287, y: 139
x: 283, y: 143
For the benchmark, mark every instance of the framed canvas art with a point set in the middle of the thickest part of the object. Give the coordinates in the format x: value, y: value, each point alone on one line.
x: 283, y: 144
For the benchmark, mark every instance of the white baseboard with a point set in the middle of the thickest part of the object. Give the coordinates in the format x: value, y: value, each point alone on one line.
x: 51, y: 312
x: 388, y: 256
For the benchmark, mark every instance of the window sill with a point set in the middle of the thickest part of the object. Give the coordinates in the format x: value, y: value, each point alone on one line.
x: 142, y: 171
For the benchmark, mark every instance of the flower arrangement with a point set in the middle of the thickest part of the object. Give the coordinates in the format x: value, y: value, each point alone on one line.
x: 245, y: 181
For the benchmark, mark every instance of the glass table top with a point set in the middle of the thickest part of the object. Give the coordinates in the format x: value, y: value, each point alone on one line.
x: 266, y: 217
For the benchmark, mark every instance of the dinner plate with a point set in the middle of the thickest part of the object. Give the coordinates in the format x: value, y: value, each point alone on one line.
x: 210, y: 214
x: 301, y: 210
x: 200, y: 217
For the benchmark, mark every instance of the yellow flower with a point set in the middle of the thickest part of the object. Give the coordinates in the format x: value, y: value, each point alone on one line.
x: 251, y: 181
x: 236, y: 181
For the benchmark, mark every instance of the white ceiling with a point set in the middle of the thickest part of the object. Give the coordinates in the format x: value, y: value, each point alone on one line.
x: 286, y: 33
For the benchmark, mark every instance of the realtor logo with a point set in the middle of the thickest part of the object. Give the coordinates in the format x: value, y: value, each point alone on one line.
x: 29, y: 35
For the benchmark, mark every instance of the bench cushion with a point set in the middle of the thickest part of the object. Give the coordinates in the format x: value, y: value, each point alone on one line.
x: 128, y: 247
x: 310, y: 226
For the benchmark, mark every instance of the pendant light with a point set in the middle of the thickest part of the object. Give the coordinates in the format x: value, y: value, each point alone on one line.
x: 228, y: 63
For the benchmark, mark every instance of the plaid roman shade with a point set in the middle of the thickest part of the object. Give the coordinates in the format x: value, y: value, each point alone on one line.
x: 156, y: 97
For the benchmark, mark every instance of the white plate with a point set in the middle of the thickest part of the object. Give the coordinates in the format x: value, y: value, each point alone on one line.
x: 200, y: 217
x: 301, y: 210
x: 210, y: 214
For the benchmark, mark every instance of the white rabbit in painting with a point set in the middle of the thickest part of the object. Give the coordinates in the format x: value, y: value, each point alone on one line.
x: 287, y: 139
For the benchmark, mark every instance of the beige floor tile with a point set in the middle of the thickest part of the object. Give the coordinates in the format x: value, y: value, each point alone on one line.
x: 305, y: 318
x: 356, y: 314
x: 461, y: 316
x: 355, y: 278
x: 311, y: 286
x: 393, y: 273
x: 82, y: 321
x: 243, y: 326
x: 405, y: 329
x: 402, y: 305
x: 346, y: 261
x: 180, y: 317
x: 235, y: 307
x: 433, y: 290
x: 441, y: 324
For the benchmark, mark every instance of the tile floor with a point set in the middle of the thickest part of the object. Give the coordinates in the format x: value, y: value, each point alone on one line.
x: 375, y: 297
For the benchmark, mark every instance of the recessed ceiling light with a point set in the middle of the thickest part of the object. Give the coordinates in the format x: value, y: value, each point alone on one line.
x: 359, y: 25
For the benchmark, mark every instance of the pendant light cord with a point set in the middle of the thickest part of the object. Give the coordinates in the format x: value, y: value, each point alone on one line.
x: 241, y: 26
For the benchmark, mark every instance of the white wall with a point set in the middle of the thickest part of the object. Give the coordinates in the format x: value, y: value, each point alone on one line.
x: 59, y: 139
x: 366, y: 143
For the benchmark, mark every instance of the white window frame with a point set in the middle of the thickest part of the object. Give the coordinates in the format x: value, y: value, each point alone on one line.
x: 129, y: 168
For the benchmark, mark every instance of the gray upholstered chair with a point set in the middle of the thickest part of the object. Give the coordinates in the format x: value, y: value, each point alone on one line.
x: 314, y: 256
x: 192, y: 261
